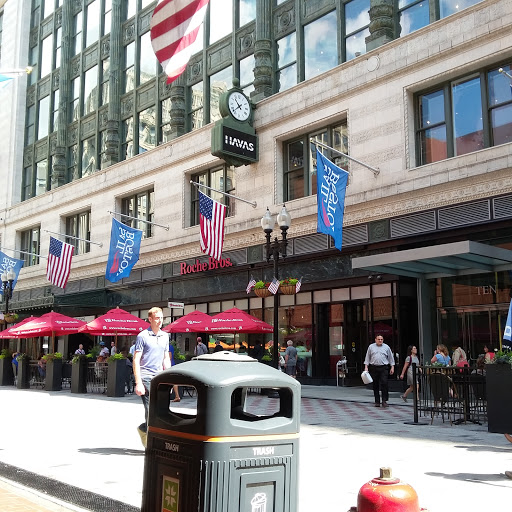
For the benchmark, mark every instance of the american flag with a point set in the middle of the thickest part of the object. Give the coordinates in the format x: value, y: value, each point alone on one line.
x: 274, y: 286
x: 59, y: 262
x: 211, y: 217
x: 298, y: 285
x: 174, y: 28
x: 250, y: 284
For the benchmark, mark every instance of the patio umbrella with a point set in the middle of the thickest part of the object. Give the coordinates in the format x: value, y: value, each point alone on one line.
x: 236, y: 320
x: 195, y: 321
x: 50, y: 324
x: 7, y: 333
x: 115, y: 322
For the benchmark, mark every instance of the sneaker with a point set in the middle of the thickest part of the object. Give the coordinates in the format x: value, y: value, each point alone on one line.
x: 143, y: 436
x: 508, y: 474
x: 377, y: 405
x: 403, y: 397
x: 385, y: 404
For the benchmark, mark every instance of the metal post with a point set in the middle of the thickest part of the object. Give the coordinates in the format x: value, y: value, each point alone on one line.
x: 275, y: 355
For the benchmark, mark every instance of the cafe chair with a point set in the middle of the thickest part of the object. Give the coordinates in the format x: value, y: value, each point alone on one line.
x: 478, y: 406
x: 445, y: 396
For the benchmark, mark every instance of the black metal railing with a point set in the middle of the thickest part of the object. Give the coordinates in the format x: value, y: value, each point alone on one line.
x: 97, y: 373
x: 448, y: 392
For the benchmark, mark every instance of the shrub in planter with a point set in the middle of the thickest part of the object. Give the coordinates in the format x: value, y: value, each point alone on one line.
x: 6, y: 373
x: 288, y: 286
x: 22, y: 382
x: 79, y: 373
x: 261, y: 289
x: 53, y: 379
x: 499, y: 382
x: 116, y: 377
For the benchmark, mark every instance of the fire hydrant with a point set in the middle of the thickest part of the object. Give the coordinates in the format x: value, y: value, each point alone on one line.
x: 387, y: 494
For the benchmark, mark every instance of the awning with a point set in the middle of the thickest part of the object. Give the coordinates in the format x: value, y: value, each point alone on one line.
x: 454, y: 259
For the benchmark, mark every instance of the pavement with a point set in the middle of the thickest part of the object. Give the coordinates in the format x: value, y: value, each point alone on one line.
x: 64, y: 452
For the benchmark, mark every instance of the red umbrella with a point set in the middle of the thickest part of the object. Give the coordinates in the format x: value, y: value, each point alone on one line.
x: 8, y: 332
x: 237, y: 320
x: 115, y: 322
x: 195, y: 321
x: 50, y: 324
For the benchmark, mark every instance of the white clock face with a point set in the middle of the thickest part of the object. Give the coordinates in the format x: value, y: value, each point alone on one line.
x: 239, y: 106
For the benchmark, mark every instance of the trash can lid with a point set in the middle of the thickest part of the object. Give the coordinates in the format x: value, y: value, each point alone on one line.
x: 226, y: 356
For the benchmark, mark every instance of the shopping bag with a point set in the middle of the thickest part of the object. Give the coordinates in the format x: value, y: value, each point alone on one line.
x: 367, y: 378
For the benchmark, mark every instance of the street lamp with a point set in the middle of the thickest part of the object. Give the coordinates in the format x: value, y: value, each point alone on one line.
x: 7, y: 280
x: 275, y: 249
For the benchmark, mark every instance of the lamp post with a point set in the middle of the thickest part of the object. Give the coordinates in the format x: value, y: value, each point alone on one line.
x: 7, y: 280
x: 275, y: 249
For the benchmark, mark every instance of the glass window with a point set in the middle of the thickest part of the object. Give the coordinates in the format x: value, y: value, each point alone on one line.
x: 105, y: 77
x: 357, y: 20
x: 219, y: 83
x: 131, y: 7
x: 447, y: 7
x: 41, y: 177
x: 500, y: 105
x: 287, y: 62
x: 30, y: 245
x: 77, y: 33
x: 300, y: 161
x: 90, y: 90
x: 166, y: 120
x: 247, y: 74
x: 196, y: 114
x: 432, y: 134
x: 55, y: 111
x: 467, y: 116
x: 147, y: 130
x: 92, y: 23
x: 320, y: 53
x: 148, y: 62
x: 413, y: 17
x: 107, y: 17
x: 127, y: 140
x: 129, y: 67
x: 247, y: 10
x: 73, y: 163
x: 30, y: 123
x: 75, y: 99
x: 33, y: 58
x: 26, y: 188
x: 103, y: 149
x: 58, y: 44
x: 88, y: 156
x: 48, y: 7
x: 79, y: 226
x: 43, y: 117
x: 46, y: 56
x: 221, y: 19
x: 139, y: 206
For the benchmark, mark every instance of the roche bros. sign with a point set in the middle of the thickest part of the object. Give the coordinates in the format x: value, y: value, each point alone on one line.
x: 211, y: 264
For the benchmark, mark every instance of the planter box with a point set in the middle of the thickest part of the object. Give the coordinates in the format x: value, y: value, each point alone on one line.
x: 262, y: 292
x: 499, y: 384
x: 116, y: 377
x: 288, y: 289
x: 23, y: 379
x: 79, y: 377
x: 53, y: 380
x: 6, y: 373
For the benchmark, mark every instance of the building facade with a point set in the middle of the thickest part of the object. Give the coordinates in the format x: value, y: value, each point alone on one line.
x: 412, y: 89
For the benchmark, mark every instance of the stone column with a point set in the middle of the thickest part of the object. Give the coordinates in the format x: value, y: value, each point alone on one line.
x: 263, y: 71
x: 382, y: 24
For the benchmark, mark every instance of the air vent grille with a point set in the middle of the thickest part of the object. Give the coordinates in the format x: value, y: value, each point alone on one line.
x: 463, y: 215
x: 502, y: 207
x: 354, y: 235
x: 413, y: 224
x: 308, y: 244
x: 238, y: 257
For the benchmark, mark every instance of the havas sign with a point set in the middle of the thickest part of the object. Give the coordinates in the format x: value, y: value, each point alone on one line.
x: 236, y: 143
x: 212, y: 264
x: 239, y: 143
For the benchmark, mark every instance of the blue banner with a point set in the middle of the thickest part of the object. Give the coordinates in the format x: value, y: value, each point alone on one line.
x: 6, y: 263
x: 331, y: 185
x: 124, y: 251
x: 507, y: 335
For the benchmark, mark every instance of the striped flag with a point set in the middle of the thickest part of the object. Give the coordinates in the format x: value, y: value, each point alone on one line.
x: 59, y: 262
x: 274, y: 286
x: 174, y: 28
x: 250, y: 284
x: 4, y: 81
x: 298, y: 285
x: 211, y: 219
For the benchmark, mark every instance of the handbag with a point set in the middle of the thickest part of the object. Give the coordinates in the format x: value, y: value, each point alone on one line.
x: 367, y: 378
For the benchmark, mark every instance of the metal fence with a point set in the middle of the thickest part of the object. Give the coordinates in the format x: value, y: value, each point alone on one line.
x: 457, y: 395
x: 97, y: 373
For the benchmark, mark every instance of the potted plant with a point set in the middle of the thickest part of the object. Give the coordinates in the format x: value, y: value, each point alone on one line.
x: 6, y: 373
x: 53, y: 378
x: 10, y: 318
x: 23, y: 379
x: 79, y: 365
x: 498, y: 382
x: 261, y: 289
x: 116, y: 377
x: 288, y: 286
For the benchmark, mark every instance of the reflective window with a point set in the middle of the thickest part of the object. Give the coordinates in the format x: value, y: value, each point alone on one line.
x: 90, y: 90
x: 127, y: 139
x: 73, y: 163
x: 92, y: 23
x: 247, y: 74
x: 103, y: 149
x: 77, y: 33
x: 129, y: 64
x: 131, y: 8
x: 247, y: 9
x: 148, y: 62
x: 196, y: 114
x: 26, y: 187
x: 107, y: 17
x: 48, y: 7
x: 30, y: 245
x: 287, y: 62
x: 75, y: 99
x: 46, y: 56
x: 55, y: 110
x: 500, y: 105
x: 413, y: 17
x: 139, y: 206
x: 447, y: 7
x: 219, y: 83
x: 79, y: 226
x: 147, y: 130
x: 221, y: 19
x: 320, y: 53
x: 88, y: 156
x: 432, y: 133
x: 43, y: 117
x: 30, y: 124
x: 33, y: 61
x: 41, y: 177
x: 357, y: 20
x: 166, y: 120
x: 105, y: 76
x: 58, y: 44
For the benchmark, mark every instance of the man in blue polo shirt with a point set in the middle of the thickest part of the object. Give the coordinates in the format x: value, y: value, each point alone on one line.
x: 151, y: 356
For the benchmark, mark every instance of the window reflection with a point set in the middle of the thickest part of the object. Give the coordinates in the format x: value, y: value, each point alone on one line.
x: 88, y: 156
x: 447, y: 7
x: 219, y: 83
x: 147, y: 130
x: 41, y: 177
x: 92, y: 24
x: 44, y: 113
x: 147, y: 59
x: 286, y: 62
x: 90, y: 90
x: 129, y: 64
x: 247, y: 9
x: 77, y: 33
x: 128, y: 138
x: 196, y: 114
x: 221, y: 19
x: 320, y: 51
x: 414, y: 18
x: 46, y: 56
x: 357, y: 20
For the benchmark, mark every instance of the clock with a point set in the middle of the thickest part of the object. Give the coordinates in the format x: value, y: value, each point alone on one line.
x: 239, y: 106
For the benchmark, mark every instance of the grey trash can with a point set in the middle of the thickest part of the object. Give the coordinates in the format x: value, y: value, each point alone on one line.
x: 223, y: 455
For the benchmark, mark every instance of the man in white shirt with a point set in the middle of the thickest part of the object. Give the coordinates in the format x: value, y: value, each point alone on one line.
x: 379, y: 361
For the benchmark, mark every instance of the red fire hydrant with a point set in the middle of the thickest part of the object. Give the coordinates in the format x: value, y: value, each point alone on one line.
x: 387, y: 494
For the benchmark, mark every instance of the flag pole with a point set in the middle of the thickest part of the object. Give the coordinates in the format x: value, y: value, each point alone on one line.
x: 74, y: 237
x: 136, y: 218
x: 375, y: 170
x: 252, y: 203
x: 25, y: 252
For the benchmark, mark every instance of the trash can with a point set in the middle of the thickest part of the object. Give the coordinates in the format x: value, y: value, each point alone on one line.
x: 232, y: 452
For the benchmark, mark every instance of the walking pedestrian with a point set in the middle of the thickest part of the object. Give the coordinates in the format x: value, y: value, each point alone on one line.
x: 379, y: 361
x: 412, y: 357
x: 200, y: 347
x: 113, y: 348
x: 150, y: 358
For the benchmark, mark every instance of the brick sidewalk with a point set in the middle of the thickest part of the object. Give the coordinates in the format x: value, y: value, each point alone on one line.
x: 14, y: 498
